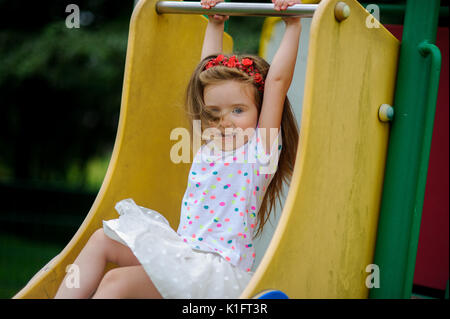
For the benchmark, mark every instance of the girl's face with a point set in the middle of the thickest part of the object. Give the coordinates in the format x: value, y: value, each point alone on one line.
x: 233, y: 104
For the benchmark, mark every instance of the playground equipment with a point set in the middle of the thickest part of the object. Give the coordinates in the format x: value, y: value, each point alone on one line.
x: 325, y: 238
x: 235, y: 9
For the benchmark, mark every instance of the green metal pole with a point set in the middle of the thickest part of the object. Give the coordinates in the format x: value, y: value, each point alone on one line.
x: 425, y: 49
x: 404, y: 180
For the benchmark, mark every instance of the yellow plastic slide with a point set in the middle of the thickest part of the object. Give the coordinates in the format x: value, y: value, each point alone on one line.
x: 325, y: 237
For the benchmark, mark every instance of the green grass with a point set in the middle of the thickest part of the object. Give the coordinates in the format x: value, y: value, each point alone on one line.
x: 20, y: 260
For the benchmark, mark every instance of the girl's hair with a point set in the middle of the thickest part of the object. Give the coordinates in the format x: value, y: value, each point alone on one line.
x: 195, y: 109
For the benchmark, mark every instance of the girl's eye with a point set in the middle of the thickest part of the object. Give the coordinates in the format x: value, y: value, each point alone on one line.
x: 238, y: 110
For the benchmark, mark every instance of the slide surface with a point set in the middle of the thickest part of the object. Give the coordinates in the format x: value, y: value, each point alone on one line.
x: 326, y: 235
x: 162, y: 52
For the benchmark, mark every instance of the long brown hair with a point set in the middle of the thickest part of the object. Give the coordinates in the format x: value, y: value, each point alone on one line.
x: 195, y: 110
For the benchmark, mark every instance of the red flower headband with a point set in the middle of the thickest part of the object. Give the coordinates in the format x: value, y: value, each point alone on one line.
x: 245, y: 65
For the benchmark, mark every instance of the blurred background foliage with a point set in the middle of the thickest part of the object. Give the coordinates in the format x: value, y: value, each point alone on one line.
x: 60, y: 88
x: 60, y: 92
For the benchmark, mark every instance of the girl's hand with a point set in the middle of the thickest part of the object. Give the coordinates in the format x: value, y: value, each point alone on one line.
x: 216, y: 18
x: 283, y: 5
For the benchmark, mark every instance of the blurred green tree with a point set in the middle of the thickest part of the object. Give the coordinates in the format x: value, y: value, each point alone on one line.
x: 60, y: 88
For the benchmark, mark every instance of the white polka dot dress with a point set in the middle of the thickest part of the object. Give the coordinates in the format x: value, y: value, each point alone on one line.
x: 212, y: 253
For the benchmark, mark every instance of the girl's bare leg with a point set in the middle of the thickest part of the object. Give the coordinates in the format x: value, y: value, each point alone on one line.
x: 91, y: 262
x: 127, y: 282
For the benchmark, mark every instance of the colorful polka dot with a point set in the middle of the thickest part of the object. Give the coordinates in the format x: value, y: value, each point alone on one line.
x: 242, y: 179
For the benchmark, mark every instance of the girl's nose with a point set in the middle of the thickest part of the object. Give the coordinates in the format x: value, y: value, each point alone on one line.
x: 225, y: 121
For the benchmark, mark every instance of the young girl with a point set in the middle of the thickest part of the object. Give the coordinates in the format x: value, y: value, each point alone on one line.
x: 241, y: 102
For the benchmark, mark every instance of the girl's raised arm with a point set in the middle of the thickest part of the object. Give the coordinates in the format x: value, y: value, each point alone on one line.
x: 212, y: 44
x: 280, y: 74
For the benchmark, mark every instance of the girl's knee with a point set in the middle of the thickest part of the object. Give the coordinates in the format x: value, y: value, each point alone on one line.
x: 98, y: 236
x: 101, y: 243
x: 100, y: 239
x: 112, y: 285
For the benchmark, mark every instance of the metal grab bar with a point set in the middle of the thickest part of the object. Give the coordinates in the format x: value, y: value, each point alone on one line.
x: 235, y: 9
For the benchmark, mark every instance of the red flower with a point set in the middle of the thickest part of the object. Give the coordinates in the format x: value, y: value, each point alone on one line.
x: 247, y: 62
x: 220, y: 58
x: 258, y: 78
x: 231, y: 62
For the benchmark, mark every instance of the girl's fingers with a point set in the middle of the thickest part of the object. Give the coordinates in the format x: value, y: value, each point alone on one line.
x: 218, y: 18
x: 212, y: 3
x: 221, y: 18
x: 204, y: 4
x: 284, y: 4
x: 276, y: 4
x: 207, y: 4
x: 281, y: 4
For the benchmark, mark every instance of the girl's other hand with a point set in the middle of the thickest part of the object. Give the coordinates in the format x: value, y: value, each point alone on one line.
x: 283, y: 5
x: 216, y: 18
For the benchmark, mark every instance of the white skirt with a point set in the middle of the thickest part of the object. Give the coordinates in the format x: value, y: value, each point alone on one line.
x: 176, y: 270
